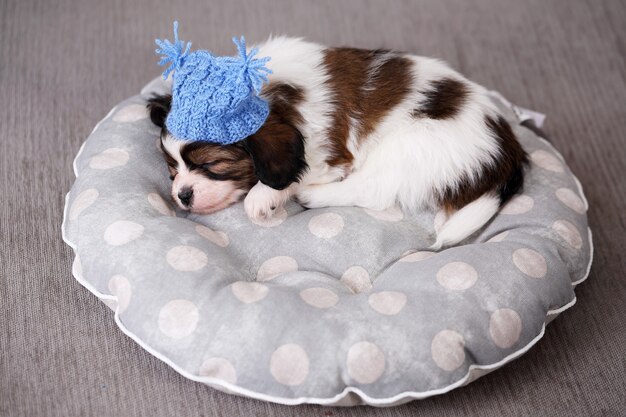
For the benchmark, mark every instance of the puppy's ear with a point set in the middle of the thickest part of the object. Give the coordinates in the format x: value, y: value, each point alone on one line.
x: 159, y: 107
x: 277, y: 151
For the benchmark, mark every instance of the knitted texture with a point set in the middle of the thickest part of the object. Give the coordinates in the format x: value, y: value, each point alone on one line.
x: 214, y: 99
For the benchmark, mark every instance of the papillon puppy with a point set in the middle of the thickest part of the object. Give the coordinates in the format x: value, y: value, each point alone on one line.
x: 355, y: 127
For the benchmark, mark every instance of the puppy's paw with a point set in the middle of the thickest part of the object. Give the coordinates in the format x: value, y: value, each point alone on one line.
x: 262, y: 201
x: 310, y: 196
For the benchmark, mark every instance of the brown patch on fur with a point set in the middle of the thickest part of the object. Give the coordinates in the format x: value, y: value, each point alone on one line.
x: 444, y: 100
x: 277, y: 150
x: 221, y: 162
x: 284, y: 99
x: 365, y: 85
x: 504, y: 176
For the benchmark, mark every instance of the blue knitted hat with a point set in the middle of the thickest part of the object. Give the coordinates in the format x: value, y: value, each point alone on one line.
x: 214, y: 98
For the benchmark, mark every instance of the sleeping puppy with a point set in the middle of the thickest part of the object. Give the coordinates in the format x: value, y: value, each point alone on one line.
x: 353, y: 127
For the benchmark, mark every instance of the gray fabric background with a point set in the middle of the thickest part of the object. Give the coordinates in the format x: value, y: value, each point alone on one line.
x: 64, y: 64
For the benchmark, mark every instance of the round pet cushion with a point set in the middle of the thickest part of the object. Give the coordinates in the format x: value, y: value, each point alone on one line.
x: 340, y: 305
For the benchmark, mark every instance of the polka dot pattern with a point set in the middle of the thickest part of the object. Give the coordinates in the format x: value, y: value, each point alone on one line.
x: 569, y: 233
x: 365, y: 362
x: 216, y: 237
x: 319, y: 297
x: 82, y: 202
x: 357, y: 279
x: 326, y: 226
x: 530, y: 262
x: 571, y: 200
x: 518, y: 205
x: 546, y: 161
x: 186, y: 258
x: 219, y: 368
x: 388, y: 303
x: 457, y: 276
x: 392, y: 214
x: 289, y: 364
x: 157, y: 202
x: 122, y: 232
x: 110, y: 158
x: 505, y: 327
x: 178, y: 318
x: 119, y: 286
x: 448, y: 350
x: 249, y: 292
x: 131, y: 113
x: 276, y: 266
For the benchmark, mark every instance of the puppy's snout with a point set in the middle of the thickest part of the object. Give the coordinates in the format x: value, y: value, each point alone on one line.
x: 185, y: 196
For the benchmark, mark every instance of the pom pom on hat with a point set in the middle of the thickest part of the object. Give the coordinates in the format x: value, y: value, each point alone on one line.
x: 214, y: 99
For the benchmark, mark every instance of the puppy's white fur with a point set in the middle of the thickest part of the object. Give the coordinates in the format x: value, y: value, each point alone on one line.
x: 404, y: 160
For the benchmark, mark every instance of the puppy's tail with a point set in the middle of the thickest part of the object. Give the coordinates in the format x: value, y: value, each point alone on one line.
x: 467, y: 220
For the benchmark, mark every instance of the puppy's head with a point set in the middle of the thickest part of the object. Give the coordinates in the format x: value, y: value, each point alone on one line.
x: 208, y: 177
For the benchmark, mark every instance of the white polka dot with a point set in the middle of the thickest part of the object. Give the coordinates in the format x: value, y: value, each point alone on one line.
x: 110, y: 158
x: 569, y: 233
x: 366, y: 362
x: 417, y: 256
x: 77, y: 268
x: 518, y: 205
x: 505, y: 327
x: 530, y: 262
x: 276, y: 266
x: 121, y: 232
x: 217, y: 237
x: 82, y: 201
x: 546, y: 161
x: 279, y: 216
x: 112, y: 304
x: 319, y: 297
x: 219, y: 368
x: 448, y: 350
x: 571, y: 200
x: 249, y: 292
x: 131, y: 113
x: 186, y: 258
x: 160, y: 205
x: 178, y: 318
x: 391, y: 214
x: 326, y: 225
x: 499, y: 237
x: 357, y: 279
x: 387, y: 302
x: 440, y: 219
x: 457, y: 276
x: 119, y: 286
x: 289, y: 364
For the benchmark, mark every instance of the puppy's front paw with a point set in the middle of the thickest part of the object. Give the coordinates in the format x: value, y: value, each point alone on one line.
x: 262, y: 201
x: 309, y: 197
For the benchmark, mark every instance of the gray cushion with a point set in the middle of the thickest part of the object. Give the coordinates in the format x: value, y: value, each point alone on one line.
x: 333, y: 306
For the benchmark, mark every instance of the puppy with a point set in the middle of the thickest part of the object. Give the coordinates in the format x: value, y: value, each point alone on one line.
x: 354, y: 127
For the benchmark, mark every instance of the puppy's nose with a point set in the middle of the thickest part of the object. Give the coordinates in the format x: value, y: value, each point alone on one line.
x: 185, y: 195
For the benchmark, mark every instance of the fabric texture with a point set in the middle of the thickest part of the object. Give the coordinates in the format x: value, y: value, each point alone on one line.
x: 191, y: 289
x: 64, y: 64
x: 214, y: 99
